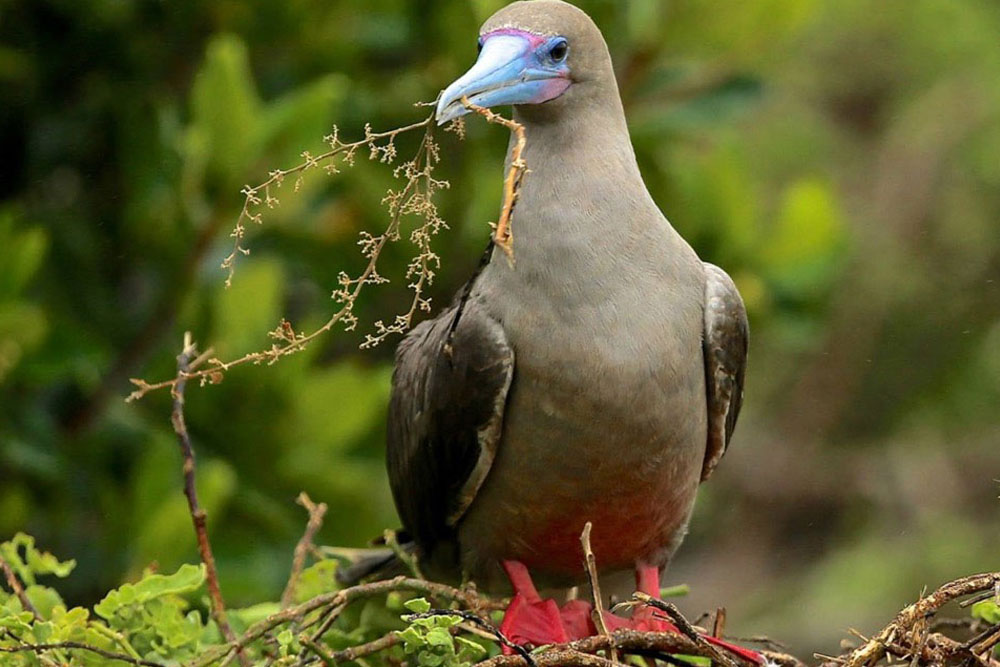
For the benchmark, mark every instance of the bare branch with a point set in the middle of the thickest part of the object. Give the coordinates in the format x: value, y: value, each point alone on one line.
x: 415, y: 198
x: 354, y: 652
x: 686, y: 629
x: 17, y: 588
x: 655, y: 644
x: 252, y: 194
x: 316, y: 514
x: 24, y: 647
x: 503, y: 234
x: 185, y: 361
x: 338, y: 600
x: 590, y: 561
x: 903, y: 625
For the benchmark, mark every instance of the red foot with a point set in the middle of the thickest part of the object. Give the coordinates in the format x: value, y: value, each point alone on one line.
x: 576, y: 619
x: 529, y: 619
x: 647, y: 580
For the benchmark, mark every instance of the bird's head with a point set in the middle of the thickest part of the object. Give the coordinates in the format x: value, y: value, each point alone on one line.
x: 531, y: 53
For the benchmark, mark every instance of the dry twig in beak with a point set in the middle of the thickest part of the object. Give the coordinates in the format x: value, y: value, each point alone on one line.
x: 503, y: 235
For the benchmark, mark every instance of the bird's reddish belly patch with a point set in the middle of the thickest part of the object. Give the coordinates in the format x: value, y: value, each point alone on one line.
x: 624, y: 531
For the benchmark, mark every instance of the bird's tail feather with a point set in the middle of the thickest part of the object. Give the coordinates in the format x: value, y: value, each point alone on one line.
x: 366, y: 563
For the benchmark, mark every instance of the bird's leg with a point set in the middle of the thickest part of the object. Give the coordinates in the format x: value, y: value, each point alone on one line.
x: 529, y: 619
x: 645, y: 618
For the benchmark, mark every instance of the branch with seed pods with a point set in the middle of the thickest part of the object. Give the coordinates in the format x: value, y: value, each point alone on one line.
x: 415, y: 199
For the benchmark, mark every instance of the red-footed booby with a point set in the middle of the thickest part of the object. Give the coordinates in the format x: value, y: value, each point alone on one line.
x: 596, y: 379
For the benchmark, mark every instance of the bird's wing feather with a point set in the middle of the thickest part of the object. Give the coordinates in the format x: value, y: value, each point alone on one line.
x: 725, y: 348
x: 449, y: 391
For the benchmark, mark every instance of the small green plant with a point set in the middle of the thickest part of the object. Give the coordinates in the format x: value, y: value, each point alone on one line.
x: 165, y: 619
x: 152, y: 619
x: 430, y: 638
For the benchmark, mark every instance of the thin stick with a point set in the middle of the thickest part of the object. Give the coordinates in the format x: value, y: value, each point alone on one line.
x: 337, y: 599
x: 354, y: 652
x: 782, y: 659
x: 986, y: 595
x: 325, y: 621
x: 719, y: 624
x: 503, y: 235
x: 75, y: 646
x: 628, y: 641
x: 17, y: 588
x: 567, y: 657
x: 319, y: 650
x: 316, y: 514
x: 686, y: 628
x: 590, y: 561
x: 252, y: 194
x: 407, y: 558
x: 188, y: 354
x: 984, y: 641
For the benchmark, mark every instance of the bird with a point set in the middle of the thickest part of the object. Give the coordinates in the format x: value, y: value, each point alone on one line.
x: 596, y: 378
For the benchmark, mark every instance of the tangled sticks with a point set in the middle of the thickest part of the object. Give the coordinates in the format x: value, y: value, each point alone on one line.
x: 911, y: 636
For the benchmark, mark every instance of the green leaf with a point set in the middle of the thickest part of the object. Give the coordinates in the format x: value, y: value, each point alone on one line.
x: 288, y: 642
x: 429, y: 659
x: 35, y: 562
x: 418, y: 605
x: 439, y: 637
x: 241, y: 619
x: 318, y: 578
x: 19, y: 622
x: 187, y: 579
x: 412, y: 639
x: 469, y: 650
x: 988, y: 610
x: 42, y: 562
x: 225, y: 108
x: 44, y: 599
x: 680, y: 590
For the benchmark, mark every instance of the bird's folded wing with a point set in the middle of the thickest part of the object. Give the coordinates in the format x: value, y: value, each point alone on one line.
x: 449, y: 391
x: 725, y: 347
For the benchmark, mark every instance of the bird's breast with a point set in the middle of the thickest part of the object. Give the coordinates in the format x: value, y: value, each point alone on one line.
x: 605, y: 422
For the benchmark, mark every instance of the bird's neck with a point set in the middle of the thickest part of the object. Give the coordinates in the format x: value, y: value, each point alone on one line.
x: 583, y: 185
x: 581, y: 135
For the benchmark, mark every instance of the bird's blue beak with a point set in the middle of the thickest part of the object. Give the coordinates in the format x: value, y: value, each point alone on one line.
x: 514, y: 67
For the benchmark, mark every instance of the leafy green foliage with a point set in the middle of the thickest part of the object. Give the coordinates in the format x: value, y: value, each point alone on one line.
x: 28, y: 562
x: 839, y: 162
x: 429, y: 639
x: 162, y: 618
x: 149, y: 619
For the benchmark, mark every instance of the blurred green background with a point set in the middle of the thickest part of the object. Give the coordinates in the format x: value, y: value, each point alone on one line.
x: 840, y: 158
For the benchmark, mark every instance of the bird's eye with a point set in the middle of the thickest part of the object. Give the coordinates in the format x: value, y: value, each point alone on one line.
x: 559, y: 50
x: 479, y: 45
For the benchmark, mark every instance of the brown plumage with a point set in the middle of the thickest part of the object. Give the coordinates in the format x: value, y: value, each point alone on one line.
x: 597, y: 379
